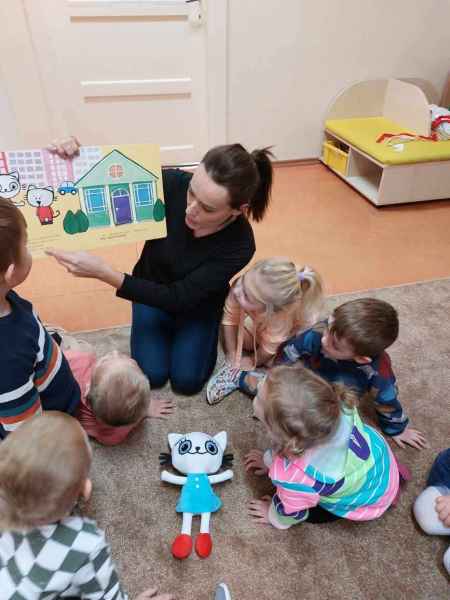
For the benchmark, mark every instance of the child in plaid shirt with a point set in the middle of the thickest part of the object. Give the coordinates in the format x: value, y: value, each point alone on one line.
x: 45, y: 551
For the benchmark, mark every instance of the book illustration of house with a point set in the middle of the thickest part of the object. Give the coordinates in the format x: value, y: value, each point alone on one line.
x: 117, y: 190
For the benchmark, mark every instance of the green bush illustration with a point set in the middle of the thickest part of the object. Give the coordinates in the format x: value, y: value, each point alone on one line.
x: 70, y: 223
x: 75, y: 222
x: 159, y: 211
x: 83, y: 221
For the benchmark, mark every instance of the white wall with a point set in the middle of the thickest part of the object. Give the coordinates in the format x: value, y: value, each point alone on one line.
x: 289, y: 58
x: 8, y: 128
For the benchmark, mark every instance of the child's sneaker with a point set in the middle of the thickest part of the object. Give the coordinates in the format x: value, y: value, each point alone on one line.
x: 223, y: 383
x: 222, y: 592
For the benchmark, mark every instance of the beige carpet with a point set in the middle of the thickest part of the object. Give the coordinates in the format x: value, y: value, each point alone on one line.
x: 385, y: 559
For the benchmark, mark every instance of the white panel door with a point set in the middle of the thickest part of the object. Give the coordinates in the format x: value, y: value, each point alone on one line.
x: 120, y: 71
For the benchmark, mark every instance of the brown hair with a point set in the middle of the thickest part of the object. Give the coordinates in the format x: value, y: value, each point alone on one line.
x: 301, y: 409
x: 246, y: 176
x: 12, y: 228
x: 369, y: 325
x: 121, y: 396
x: 43, y: 467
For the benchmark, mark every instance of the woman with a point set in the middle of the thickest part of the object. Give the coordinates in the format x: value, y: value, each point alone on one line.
x: 179, y: 284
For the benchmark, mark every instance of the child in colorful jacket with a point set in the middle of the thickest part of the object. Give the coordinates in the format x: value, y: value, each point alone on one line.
x: 325, y: 463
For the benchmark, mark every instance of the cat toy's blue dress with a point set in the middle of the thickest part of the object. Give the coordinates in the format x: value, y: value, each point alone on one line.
x: 197, y: 496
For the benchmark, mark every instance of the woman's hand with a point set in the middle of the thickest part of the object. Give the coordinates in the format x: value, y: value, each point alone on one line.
x: 83, y: 264
x: 65, y: 148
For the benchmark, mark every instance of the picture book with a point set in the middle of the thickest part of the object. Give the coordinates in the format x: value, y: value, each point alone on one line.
x: 104, y: 196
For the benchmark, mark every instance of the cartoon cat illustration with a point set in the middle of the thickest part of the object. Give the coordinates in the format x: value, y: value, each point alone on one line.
x: 10, y: 186
x: 42, y: 198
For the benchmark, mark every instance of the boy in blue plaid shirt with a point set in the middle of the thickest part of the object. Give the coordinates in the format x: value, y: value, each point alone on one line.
x: 350, y: 348
x: 45, y: 552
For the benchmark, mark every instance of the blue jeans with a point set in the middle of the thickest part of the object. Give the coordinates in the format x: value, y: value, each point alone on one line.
x: 181, y: 348
x: 440, y: 471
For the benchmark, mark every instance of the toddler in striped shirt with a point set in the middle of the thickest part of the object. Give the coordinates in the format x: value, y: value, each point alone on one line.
x: 35, y: 376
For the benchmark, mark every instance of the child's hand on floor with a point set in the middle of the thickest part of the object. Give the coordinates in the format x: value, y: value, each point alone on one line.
x: 151, y: 593
x: 247, y: 363
x: 411, y: 437
x: 65, y: 148
x: 160, y: 409
x: 259, y: 509
x: 442, y: 505
x: 255, y: 460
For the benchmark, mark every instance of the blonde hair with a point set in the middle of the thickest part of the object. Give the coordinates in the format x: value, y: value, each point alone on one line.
x: 301, y: 409
x: 282, y: 285
x: 44, y: 465
x: 119, y: 397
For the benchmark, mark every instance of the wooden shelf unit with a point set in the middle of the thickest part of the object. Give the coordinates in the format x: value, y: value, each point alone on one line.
x: 386, y: 184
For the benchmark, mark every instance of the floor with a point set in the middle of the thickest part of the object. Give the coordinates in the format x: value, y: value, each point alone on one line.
x: 315, y: 218
x: 386, y: 559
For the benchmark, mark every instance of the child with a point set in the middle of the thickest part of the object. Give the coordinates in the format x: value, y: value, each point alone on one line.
x: 45, y: 551
x: 350, y: 348
x: 327, y: 464
x: 432, y: 506
x: 34, y: 373
x: 115, y: 393
x: 266, y: 306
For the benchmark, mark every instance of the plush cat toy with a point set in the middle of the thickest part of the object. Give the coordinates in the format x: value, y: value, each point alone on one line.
x: 199, y: 456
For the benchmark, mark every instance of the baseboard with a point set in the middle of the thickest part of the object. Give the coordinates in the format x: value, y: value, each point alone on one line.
x: 295, y: 162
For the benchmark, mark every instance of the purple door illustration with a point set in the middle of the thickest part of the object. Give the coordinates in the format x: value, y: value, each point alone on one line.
x: 121, y: 206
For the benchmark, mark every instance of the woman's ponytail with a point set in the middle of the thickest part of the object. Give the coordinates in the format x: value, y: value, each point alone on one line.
x: 246, y: 176
x: 260, y: 201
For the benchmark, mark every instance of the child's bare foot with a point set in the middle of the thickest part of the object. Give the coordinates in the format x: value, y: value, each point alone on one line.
x: 160, y: 409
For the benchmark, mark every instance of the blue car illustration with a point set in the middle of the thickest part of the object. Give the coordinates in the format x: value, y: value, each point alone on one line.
x: 67, y: 187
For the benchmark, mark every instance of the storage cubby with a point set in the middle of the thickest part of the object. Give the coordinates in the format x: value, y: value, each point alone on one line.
x: 360, y: 171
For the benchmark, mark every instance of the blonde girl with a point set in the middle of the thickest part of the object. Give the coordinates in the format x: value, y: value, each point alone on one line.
x: 266, y: 306
x: 325, y: 463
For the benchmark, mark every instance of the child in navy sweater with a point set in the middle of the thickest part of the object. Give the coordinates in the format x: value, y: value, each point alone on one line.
x: 35, y: 376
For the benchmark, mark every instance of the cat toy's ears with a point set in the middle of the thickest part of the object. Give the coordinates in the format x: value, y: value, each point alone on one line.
x: 14, y: 174
x: 174, y: 438
x: 221, y: 439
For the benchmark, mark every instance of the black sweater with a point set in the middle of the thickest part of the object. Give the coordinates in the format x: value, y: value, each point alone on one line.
x: 182, y: 273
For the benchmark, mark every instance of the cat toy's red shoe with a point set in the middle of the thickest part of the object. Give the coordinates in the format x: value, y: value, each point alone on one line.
x: 203, y: 545
x: 182, y: 546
